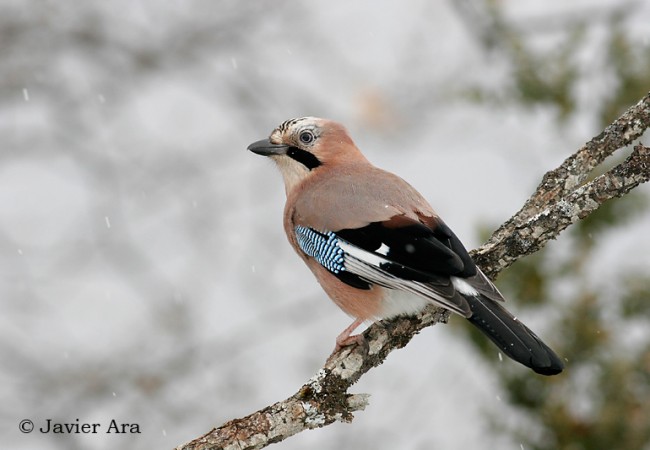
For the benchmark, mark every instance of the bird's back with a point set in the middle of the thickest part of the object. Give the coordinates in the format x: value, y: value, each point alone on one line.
x: 352, y: 196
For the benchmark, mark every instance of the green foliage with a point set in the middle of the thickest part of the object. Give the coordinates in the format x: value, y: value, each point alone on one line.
x: 552, y: 77
x: 546, y: 78
x: 635, y: 301
x: 631, y: 65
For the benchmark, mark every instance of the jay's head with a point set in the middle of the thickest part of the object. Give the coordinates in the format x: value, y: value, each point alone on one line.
x: 302, y: 147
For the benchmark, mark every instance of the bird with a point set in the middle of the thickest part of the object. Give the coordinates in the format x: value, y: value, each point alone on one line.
x: 377, y: 247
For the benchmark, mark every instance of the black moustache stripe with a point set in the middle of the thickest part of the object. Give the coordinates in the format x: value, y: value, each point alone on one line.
x: 303, y: 157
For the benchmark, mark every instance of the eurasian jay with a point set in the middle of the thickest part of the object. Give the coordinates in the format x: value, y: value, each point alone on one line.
x: 377, y: 247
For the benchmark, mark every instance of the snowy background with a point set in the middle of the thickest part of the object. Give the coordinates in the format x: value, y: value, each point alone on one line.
x: 145, y: 275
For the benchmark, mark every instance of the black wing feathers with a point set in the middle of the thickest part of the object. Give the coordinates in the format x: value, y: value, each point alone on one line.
x: 428, y: 257
x: 352, y: 280
x: 447, y: 237
x: 416, y: 252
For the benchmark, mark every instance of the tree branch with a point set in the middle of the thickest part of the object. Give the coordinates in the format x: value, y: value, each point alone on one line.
x: 560, y: 200
x: 324, y: 398
x: 576, y: 168
x: 519, y: 238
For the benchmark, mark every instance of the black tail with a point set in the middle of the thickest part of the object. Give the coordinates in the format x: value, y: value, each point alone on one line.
x: 513, y: 337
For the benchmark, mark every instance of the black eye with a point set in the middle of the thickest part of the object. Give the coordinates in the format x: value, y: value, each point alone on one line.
x: 307, y: 137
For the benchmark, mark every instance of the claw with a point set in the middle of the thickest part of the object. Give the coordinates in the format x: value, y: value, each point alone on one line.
x: 346, y: 337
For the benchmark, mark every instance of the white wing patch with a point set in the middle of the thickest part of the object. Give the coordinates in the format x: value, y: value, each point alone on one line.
x: 367, y: 265
x: 361, y: 254
x: 383, y: 249
x: 464, y: 287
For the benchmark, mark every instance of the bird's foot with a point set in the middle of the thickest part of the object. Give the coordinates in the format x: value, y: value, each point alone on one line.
x: 346, y: 338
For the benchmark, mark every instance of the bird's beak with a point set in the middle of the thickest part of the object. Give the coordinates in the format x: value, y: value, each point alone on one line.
x: 266, y: 148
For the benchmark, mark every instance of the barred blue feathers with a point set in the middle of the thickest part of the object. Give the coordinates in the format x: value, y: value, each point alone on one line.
x: 323, y: 247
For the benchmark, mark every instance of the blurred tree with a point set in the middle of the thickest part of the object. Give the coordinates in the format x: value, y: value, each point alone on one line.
x: 550, y: 75
x: 602, y: 401
x: 630, y: 64
x: 603, y: 398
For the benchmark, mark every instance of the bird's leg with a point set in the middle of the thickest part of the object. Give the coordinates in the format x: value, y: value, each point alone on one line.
x: 344, y: 339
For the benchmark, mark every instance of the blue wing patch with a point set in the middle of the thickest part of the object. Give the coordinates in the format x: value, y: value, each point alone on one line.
x: 323, y: 247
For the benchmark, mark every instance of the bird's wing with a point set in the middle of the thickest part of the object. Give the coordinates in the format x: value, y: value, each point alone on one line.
x: 393, y: 258
x: 384, y: 232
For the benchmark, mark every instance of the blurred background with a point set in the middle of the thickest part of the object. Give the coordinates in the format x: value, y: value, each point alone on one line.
x: 145, y: 275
